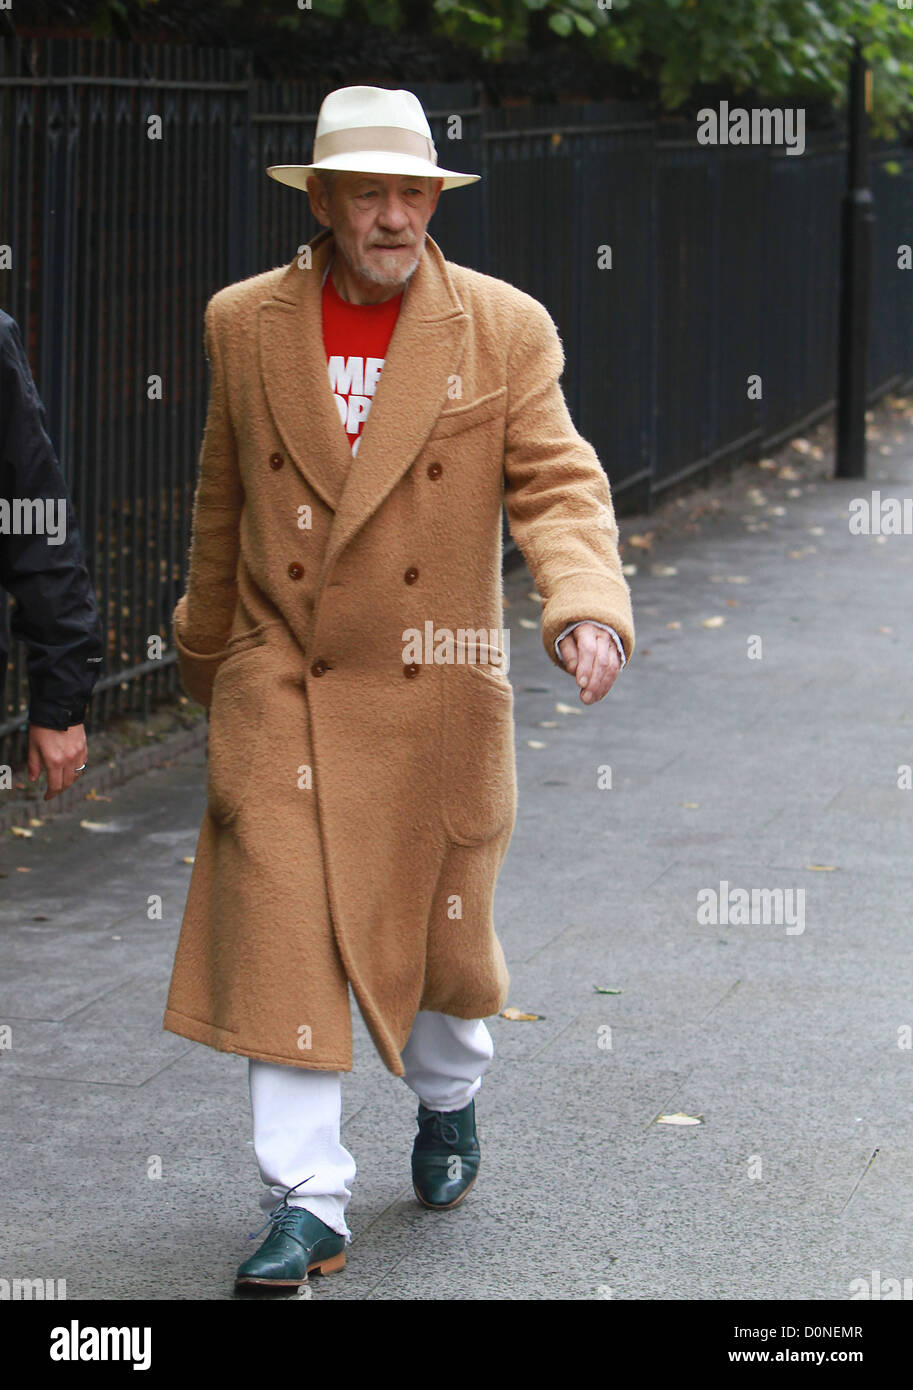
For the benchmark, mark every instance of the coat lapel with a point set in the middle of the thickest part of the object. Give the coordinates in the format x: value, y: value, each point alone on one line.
x: 293, y: 366
x: 425, y: 350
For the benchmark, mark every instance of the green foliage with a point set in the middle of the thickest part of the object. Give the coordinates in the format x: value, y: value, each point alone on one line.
x: 783, y: 49
x: 780, y: 50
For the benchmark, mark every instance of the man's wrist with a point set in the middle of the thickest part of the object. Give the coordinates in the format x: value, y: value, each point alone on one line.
x: 59, y: 717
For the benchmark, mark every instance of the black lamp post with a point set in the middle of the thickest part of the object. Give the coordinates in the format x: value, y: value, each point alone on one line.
x: 857, y: 241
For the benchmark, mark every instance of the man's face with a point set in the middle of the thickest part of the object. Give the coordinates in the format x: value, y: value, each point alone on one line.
x: 378, y: 221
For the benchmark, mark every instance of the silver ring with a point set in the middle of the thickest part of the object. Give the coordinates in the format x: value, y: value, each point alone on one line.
x: 83, y: 768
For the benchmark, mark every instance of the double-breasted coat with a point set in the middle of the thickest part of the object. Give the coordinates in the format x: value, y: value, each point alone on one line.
x: 361, y: 793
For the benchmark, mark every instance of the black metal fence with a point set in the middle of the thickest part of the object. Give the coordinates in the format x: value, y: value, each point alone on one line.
x: 132, y: 186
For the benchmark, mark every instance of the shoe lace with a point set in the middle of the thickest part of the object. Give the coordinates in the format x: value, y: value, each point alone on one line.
x: 443, y: 1129
x: 282, y: 1215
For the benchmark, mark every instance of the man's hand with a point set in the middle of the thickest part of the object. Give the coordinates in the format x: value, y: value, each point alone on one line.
x: 591, y: 655
x: 60, y: 752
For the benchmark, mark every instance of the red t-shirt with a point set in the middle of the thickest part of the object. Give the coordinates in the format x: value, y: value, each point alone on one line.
x: 356, y: 337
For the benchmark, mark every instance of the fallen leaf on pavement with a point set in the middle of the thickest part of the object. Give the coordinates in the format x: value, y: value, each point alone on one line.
x: 566, y: 709
x: 604, y: 989
x: 680, y: 1119
x: 713, y: 622
x: 517, y: 1016
x: 21, y: 830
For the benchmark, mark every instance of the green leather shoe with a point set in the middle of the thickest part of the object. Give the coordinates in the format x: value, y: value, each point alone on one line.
x: 298, y: 1243
x: 445, y: 1156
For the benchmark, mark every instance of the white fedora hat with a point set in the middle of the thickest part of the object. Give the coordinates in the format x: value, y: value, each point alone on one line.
x: 372, y: 130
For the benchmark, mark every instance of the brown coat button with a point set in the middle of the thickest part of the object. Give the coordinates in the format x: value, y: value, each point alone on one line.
x: 295, y: 571
x: 412, y: 670
x: 434, y: 470
x: 411, y: 575
x: 276, y: 460
x: 318, y: 668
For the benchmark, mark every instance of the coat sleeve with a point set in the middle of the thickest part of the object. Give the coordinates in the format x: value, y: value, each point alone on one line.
x: 203, y: 617
x: 557, y: 496
x: 56, y: 615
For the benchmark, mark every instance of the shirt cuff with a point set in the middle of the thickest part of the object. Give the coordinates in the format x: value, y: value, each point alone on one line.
x: 605, y: 627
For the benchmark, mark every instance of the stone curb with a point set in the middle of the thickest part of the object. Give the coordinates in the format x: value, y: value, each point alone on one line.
x: 127, y: 766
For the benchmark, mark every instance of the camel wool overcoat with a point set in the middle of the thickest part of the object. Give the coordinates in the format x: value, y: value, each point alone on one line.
x: 361, y: 791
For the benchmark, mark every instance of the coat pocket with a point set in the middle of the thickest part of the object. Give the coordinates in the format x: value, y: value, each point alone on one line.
x: 235, y: 724
x: 478, y: 780
x: 465, y: 417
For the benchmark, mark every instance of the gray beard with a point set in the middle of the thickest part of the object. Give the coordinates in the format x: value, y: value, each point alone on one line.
x: 367, y: 273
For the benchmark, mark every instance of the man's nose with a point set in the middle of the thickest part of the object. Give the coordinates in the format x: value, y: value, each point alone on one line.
x: 393, y: 212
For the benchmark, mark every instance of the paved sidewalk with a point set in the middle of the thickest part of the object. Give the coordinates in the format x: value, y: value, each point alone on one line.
x: 778, y: 773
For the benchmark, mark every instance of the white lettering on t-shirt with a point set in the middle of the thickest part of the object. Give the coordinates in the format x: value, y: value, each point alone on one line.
x: 347, y: 374
x: 354, y: 382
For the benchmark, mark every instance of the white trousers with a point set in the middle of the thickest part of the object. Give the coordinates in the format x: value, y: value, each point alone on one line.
x: 296, y: 1112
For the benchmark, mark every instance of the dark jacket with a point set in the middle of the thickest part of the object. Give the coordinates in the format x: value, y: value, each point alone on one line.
x: 55, y: 614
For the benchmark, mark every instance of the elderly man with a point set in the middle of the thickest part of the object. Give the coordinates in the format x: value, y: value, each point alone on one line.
x: 372, y: 406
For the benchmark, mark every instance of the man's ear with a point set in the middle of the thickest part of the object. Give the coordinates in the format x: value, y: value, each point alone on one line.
x: 317, y: 197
